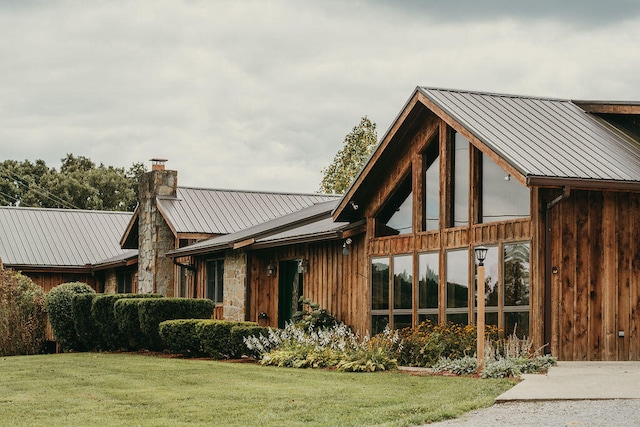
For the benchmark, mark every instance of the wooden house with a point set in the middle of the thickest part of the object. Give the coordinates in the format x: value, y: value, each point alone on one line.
x: 54, y: 246
x: 551, y: 187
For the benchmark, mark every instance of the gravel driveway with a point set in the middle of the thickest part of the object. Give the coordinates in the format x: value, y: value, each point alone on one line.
x: 617, y: 412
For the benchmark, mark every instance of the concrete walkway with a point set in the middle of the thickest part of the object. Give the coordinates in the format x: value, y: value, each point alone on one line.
x: 579, y: 381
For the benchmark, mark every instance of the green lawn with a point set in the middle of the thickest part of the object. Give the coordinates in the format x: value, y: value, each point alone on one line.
x: 124, y: 389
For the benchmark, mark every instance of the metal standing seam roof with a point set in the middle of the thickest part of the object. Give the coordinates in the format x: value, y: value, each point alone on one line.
x: 296, y: 220
x: 197, y: 210
x: 543, y: 137
x: 59, y: 237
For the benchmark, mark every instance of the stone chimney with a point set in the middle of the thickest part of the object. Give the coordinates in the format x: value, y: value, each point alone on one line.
x: 155, y: 238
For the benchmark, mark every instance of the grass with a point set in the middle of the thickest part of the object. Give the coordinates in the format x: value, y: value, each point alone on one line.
x: 129, y: 389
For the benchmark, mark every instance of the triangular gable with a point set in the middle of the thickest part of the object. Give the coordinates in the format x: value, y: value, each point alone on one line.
x: 538, y: 141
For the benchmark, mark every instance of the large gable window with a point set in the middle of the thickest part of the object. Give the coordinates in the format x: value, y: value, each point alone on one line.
x: 396, y: 217
x: 215, y: 276
x: 503, y: 198
x: 461, y: 168
x: 432, y: 187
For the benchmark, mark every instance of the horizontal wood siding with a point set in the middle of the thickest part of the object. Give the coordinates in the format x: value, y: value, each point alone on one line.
x: 596, y: 284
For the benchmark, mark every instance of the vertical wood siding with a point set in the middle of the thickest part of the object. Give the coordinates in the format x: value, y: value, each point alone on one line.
x: 596, y: 290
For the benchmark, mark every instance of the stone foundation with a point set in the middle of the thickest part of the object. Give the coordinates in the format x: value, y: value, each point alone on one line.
x: 235, y: 285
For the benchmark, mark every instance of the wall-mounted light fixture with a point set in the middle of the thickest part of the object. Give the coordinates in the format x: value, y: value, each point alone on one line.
x: 271, y: 269
x: 354, y: 205
x: 345, y: 246
x: 303, y: 266
x: 508, y: 177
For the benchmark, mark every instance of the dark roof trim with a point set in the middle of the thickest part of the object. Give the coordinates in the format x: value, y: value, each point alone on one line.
x: 50, y: 268
x: 609, y: 107
x: 341, y: 233
x: 585, y: 184
x: 133, y: 222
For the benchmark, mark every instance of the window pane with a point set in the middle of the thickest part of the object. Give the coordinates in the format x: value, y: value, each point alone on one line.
x: 459, y: 318
x: 457, y: 279
x: 461, y: 181
x: 491, y: 264
x: 378, y: 323
x: 428, y: 286
x: 219, y: 281
x: 518, y: 322
x: 380, y: 284
x: 503, y: 198
x: 402, y: 281
x: 402, y: 219
x: 402, y: 321
x: 432, y: 188
x: 516, y: 274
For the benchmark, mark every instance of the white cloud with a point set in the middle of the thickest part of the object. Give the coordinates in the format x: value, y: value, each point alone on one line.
x: 259, y: 95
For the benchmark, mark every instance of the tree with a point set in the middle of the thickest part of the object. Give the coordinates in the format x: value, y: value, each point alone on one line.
x: 79, y: 184
x: 358, y: 145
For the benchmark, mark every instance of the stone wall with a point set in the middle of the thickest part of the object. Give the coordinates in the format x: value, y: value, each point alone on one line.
x: 155, y: 239
x: 110, y: 282
x: 235, y: 285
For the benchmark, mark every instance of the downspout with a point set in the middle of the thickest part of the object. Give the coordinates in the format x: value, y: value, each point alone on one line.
x: 566, y: 192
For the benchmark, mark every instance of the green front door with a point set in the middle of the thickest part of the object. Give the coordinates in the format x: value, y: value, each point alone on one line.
x: 289, y: 291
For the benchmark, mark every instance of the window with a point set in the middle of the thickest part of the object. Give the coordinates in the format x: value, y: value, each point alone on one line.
x: 507, y: 292
x: 379, y: 294
x: 461, y: 160
x: 491, y: 286
x: 215, y: 275
x: 516, y: 288
x: 402, y: 291
x: 432, y: 187
x: 457, y: 286
x: 396, y: 217
x: 428, y: 284
x: 124, y: 282
x: 503, y: 198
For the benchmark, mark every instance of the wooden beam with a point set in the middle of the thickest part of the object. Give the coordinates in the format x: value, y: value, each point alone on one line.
x: 244, y: 243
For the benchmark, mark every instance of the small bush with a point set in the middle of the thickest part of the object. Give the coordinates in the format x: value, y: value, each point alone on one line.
x: 180, y: 336
x: 312, y: 316
x: 426, y: 344
x: 59, y: 306
x: 22, y: 314
x: 86, y: 328
x: 463, y: 366
x: 215, y: 338
x: 103, y: 313
x: 127, y: 318
x: 152, y: 312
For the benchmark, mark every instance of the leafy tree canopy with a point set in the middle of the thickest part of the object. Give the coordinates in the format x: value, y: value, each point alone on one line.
x: 358, y: 145
x: 79, y: 184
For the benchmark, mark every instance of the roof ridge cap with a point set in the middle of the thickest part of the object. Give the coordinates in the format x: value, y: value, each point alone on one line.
x: 283, y: 193
x: 494, y: 94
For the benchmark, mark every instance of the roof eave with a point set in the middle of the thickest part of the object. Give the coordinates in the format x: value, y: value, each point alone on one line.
x: 583, y: 183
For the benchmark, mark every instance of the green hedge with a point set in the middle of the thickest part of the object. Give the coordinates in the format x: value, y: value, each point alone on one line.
x: 103, y: 313
x: 59, y: 308
x: 86, y: 328
x: 179, y: 336
x: 127, y: 317
x: 154, y: 312
x: 224, y: 339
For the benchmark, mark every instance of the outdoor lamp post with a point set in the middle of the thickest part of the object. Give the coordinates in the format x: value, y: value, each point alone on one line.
x: 481, y: 255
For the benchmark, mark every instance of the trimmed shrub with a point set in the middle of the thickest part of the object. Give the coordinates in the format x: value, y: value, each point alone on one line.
x: 179, y: 336
x: 103, y: 313
x: 237, y: 347
x: 152, y: 312
x: 86, y: 327
x: 22, y: 314
x: 215, y: 338
x: 59, y: 300
x: 127, y: 318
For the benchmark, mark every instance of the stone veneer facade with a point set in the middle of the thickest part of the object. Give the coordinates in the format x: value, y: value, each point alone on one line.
x: 235, y: 285
x: 155, y: 239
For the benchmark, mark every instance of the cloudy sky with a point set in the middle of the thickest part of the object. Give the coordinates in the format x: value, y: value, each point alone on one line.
x: 260, y: 94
